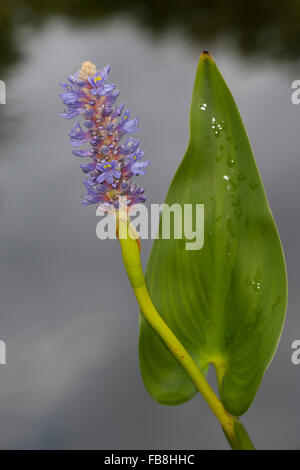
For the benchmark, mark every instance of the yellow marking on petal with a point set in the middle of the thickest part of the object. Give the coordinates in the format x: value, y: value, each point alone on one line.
x: 107, y: 166
x: 97, y: 79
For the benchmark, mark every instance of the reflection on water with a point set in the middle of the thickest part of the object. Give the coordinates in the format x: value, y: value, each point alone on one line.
x: 270, y: 27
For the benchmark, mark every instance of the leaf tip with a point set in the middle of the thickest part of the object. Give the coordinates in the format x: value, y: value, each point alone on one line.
x: 205, y: 55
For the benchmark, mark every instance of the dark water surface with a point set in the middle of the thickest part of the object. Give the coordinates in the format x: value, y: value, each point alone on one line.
x: 68, y: 316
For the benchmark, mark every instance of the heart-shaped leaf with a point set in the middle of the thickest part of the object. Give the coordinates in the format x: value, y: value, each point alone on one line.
x: 226, y: 302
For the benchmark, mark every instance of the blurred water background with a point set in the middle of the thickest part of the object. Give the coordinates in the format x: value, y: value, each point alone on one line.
x: 67, y: 314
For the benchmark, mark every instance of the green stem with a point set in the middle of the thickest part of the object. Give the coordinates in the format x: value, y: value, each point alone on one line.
x: 132, y: 262
x: 183, y: 357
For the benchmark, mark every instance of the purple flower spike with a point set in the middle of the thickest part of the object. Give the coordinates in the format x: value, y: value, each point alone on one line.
x: 112, y: 164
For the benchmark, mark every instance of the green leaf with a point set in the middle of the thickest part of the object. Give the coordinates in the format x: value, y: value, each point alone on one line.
x: 225, y: 302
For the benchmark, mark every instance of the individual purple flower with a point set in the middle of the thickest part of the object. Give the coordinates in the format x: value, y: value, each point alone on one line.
x: 123, y: 119
x: 111, y: 98
x: 75, y: 80
x: 66, y: 86
x: 83, y: 152
x: 93, y: 195
x: 88, y: 167
x: 77, y: 132
x: 108, y: 172
x: 131, y: 126
x: 99, y: 78
x: 135, y: 195
x: 128, y: 126
x: 131, y: 145
x: 118, y: 110
x: 136, y: 155
x: 105, y: 89
x: 70, y: 97
x: 72, y: 112
x: 99, y: 87
x: 77, y: 136
x: 138, y: 168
